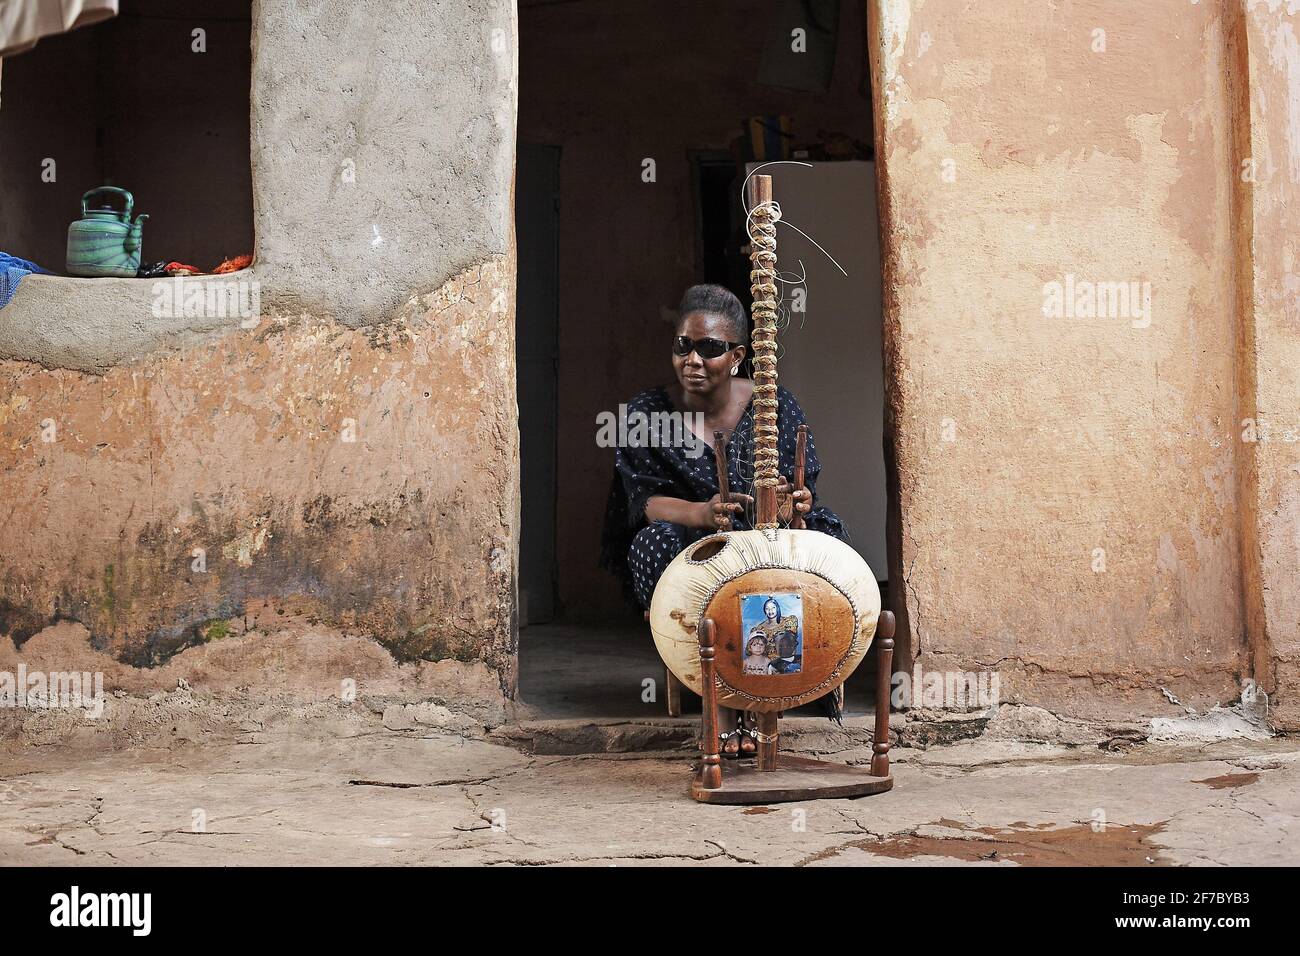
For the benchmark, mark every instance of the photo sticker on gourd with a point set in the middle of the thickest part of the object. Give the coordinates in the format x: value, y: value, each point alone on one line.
x: 773, y: 629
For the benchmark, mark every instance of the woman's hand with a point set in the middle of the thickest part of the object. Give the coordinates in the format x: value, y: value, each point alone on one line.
x: 716, y: 516
x: 788, y: 501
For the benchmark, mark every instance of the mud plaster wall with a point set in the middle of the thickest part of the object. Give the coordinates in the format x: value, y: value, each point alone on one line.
x: 1075, y: 434
x: 1270, y: 34
x: 353, y: 459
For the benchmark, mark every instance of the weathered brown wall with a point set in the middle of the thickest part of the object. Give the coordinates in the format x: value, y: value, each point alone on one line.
x: 1269, y: 36
x: 1066, y: 435
x: 632, y: 86
x: 400, y: 525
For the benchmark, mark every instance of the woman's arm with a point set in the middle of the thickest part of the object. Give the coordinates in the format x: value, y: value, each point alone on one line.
x: 691, y: 514
x: 694, y: 514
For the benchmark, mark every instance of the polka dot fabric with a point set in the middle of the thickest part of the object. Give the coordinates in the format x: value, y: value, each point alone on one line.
x: 637, y: 550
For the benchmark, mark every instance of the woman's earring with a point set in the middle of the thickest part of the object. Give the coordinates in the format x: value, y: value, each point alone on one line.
x: 734, y: 369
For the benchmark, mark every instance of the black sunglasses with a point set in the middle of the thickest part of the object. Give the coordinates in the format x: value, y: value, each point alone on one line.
x: 706, y: 348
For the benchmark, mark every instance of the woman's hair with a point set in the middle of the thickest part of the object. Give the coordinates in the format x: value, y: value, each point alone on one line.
x: 716, y: 300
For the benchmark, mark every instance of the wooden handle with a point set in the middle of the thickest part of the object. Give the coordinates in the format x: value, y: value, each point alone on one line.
x: 800, y: 472
x: 761, y: 227
x: 724, y: 483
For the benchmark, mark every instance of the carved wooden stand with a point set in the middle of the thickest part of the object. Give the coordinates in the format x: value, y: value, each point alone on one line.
x: 776, y: 777
x: 771, y: 776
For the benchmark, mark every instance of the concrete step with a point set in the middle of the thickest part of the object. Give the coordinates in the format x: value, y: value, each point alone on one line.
x: 806, y: 735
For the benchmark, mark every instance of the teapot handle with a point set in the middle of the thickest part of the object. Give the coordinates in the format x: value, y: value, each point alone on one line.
x: 130, y: 200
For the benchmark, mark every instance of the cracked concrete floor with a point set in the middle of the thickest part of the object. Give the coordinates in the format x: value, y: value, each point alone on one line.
x: 385, y: 799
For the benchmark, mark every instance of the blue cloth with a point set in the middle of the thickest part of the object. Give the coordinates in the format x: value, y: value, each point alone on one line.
x: 12, y: 270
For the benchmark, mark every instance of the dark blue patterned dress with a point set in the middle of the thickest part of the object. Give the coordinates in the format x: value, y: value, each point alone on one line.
x: 637, y: 550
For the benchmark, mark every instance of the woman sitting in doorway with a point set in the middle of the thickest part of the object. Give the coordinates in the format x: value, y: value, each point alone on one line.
x: 665, y: 493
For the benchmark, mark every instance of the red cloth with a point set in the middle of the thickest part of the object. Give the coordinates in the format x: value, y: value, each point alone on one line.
x: 233, y: 265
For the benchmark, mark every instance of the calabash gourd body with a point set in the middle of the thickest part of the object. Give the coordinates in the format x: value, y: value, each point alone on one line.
x: 837, y: 595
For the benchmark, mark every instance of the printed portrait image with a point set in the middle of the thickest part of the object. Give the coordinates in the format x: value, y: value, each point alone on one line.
x: 772, y: 625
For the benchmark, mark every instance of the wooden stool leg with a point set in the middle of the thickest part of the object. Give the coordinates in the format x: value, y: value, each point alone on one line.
x: 672, y: 688
x: 884, y: 680
x: 674, y: 692
x: 768, y: 724
x: 710, y: 762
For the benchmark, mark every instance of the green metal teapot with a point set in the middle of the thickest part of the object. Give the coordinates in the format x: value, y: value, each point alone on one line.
x: 105, y: 242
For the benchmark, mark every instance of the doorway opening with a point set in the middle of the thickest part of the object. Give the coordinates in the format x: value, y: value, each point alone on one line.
x: 635, y: 136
